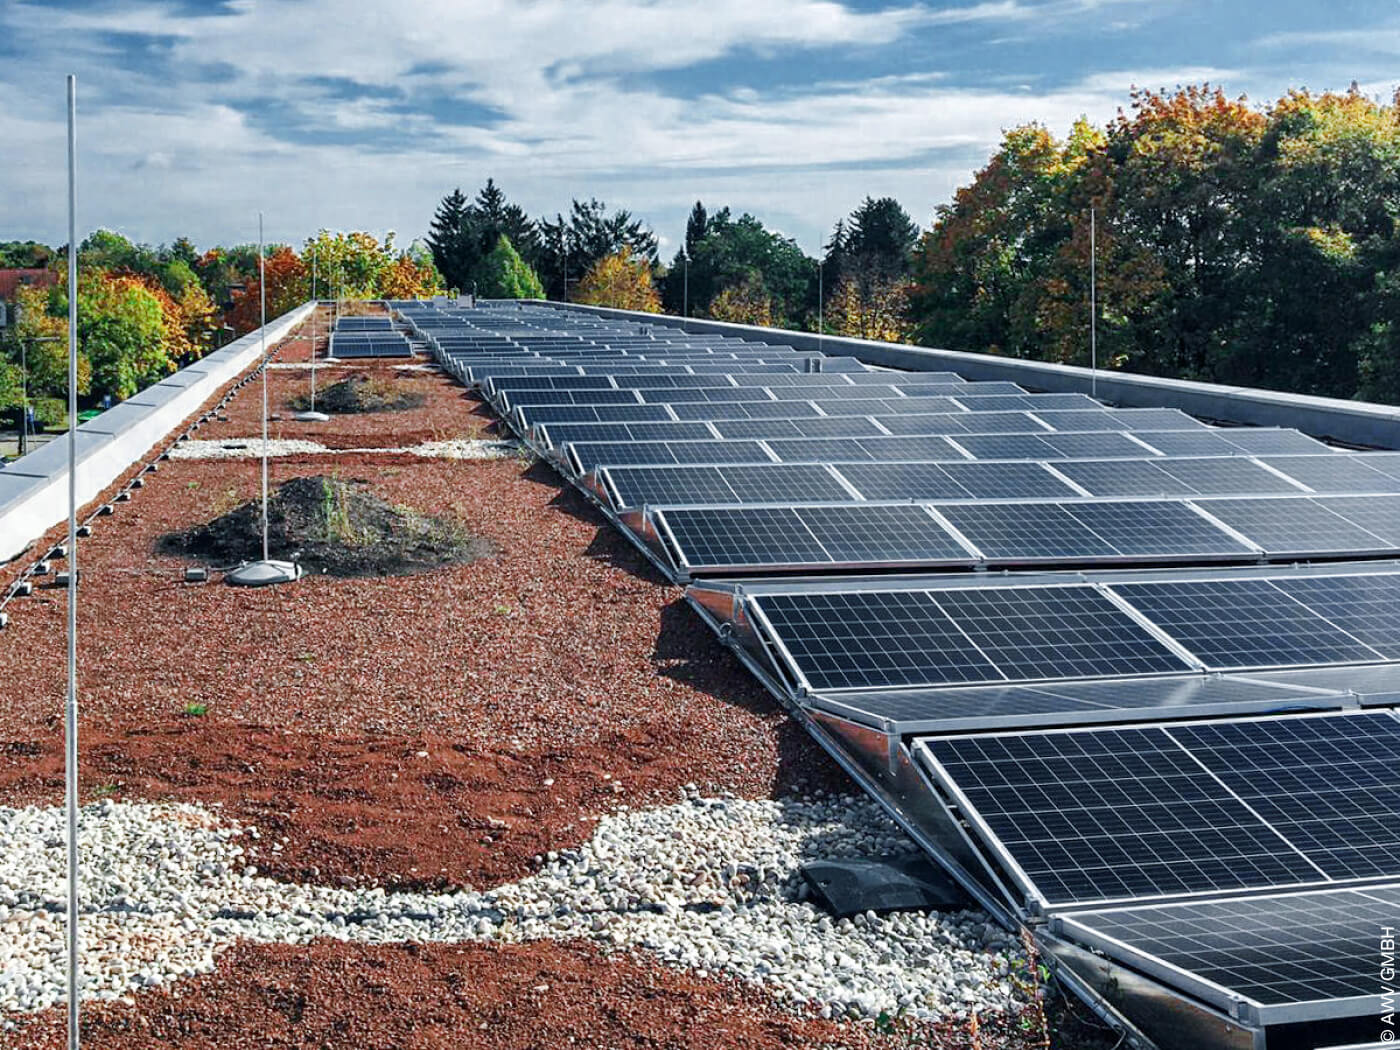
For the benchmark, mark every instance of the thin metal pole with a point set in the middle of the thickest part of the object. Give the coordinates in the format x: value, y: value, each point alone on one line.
x: 1093, y: 307
x: 23, y: 396
x: 313, y: 330
x: 821, y: 296
x: 71, y: 712
x: 262, y: 335
x: 685, y: 308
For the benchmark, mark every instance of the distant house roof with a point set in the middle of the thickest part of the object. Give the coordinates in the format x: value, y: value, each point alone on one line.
x: 12, y: 279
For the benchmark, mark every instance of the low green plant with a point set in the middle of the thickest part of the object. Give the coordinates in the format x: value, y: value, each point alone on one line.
x: 194, y: 709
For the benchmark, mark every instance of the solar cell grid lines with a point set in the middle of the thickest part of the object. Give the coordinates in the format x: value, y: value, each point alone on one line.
x: 903, y: 481
x: 1086, y: 446
x: 1006, y: 446
x: 1123, y: 478
x: 961, y: 422
x: 683, y: 485
x: 1055, y: 632
x: 556, y: 434
x: 855, y: 640
x: 747, y: 536
x: 1158, y: 529
x: 1282, y: 951
x: 1290, y: 525
x: 1113, y: 814
x: 1335, y: 473
x: 588, y: 455
x: 1007, y: 481
x: 1018, y: 531
x: 1244, y: 623
x: 1379, y: 515
x: 1367, y: 607
x: 535, y: 415
x: 876, y: 534
x: 1330, y: 786
x: 708, y: 537
x: 1190, y: 443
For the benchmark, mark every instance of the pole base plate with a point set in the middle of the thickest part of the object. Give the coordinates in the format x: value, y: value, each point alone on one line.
x: 263, y: 573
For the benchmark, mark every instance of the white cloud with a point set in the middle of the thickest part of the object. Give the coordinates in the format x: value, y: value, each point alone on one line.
x: 572, y: 85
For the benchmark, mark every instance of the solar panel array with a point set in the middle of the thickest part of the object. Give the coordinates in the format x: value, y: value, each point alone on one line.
x: 1181, y: 756
x: 367, y: 337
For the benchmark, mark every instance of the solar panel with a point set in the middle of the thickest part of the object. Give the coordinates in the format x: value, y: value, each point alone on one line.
x: 757, y: 428
x: 1335, y: 473
x: 783, y: 483
x: 1087, y: 446
x: 1242, y: 623
x: 1189, y: 443
x: 1157, y: 529
x: 1007, y: 481
x: 588, y: 455
x: 557, y: 433
x: 1126, y: 477
x: 701, y: 395
x: 1285, y: 525
x: 960, y: 708
x: 837, y: 426
x: 881, y: 534
x: 993, y: 402
x: 749, y: 537
x: 1055, y: 632
x: 818, y: 450
x: 1157, y: 419
x: 917, y: 447
x: 846, y: 640
x: 1330, y: 785
x: 536, y: 415
x: 1367, y: 607
x: 1294, y: 955
x: 961, y: 422
x: 1224, y: 476
x: 1266, y: 441
x: 712, y: 537
x: 642, y: 486
x: 1379, y: 515
x: 902, y: 481
x: 1025, y: 531
x: 1093, y: 815
x: 1007, y: 446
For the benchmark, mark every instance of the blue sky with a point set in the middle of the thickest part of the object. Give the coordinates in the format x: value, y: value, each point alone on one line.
x: 196, y: 114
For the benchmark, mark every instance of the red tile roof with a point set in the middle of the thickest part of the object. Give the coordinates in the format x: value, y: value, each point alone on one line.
x: 12, y: 279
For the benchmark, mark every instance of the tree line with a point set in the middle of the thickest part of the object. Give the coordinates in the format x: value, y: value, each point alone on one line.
x: 1234, y: 243
x: 729, y: 268
x: 145, y: 311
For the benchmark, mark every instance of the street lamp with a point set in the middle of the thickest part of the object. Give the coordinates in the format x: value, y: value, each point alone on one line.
x: 24, y: 387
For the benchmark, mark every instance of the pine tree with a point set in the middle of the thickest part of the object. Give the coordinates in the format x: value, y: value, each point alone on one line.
x: 445, y: 238
x: 695, y: 228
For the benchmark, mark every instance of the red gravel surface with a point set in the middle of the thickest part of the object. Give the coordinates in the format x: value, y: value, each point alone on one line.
x: 547, y: 685
x: 433, y: 730
x: 448, y: 411
x: 540, y: 996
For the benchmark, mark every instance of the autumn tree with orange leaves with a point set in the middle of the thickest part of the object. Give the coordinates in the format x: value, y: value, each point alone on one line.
x: 288, y: 286
x: 1235, y: 244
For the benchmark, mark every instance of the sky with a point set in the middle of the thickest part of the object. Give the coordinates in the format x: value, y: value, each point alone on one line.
x: 194, y: 115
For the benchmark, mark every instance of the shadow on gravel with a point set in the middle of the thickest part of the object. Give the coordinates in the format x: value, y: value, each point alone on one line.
x: 688, y: 652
